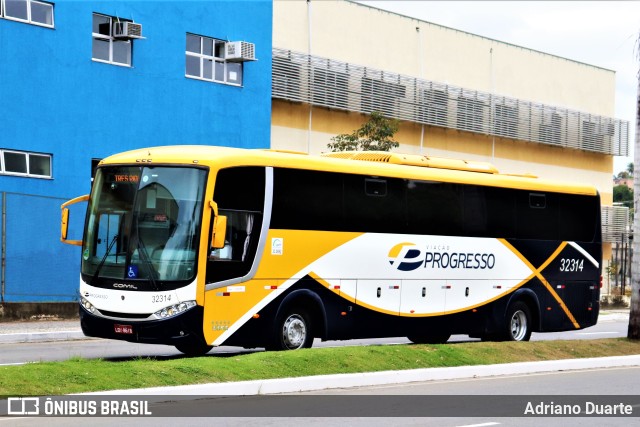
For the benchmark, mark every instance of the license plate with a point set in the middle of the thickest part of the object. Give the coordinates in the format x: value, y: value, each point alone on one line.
x: 123, y: 329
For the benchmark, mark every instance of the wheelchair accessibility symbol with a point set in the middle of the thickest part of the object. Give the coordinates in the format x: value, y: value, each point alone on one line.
x: 132, y: 272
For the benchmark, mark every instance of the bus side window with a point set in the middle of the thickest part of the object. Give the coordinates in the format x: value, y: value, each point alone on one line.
x: 435, y: 208
x: 239, y: 235
x: 475, y: 211
x: 537, y: 216
x: 375, y: 204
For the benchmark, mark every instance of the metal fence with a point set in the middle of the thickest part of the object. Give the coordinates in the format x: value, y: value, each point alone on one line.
x: 35, y: 266
x: 616, y: 224
x: 324, y: 82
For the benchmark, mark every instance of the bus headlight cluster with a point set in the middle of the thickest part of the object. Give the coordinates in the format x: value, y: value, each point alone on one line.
x: 174, y: 310
x: 87, y: 305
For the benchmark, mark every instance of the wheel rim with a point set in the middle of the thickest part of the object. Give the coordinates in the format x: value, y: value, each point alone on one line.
x: 518, y: 325
x: 294, y: 332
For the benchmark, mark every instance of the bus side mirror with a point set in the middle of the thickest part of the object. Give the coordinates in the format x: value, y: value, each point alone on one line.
x: 218, y: 234
x: 64, y: 222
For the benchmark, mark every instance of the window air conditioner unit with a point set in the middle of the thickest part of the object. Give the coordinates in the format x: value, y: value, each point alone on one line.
x: 239, y: 51
x: 127, y: 30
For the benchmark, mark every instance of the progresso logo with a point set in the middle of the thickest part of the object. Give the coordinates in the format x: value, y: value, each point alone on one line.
x: 405, y: 257
x: 408, y: 257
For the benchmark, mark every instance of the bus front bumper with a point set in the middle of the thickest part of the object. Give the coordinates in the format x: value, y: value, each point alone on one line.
x: 184, y: 327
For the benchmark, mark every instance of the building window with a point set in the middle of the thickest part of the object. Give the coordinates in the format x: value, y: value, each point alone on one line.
x: 432, y: 107
x: 381, y: 96
x: 596, y: 136
x: 25, y: 163
x: 106, y: 47
x: 506, y: 121
x: 205, y: 60
x: 330, y: 88
x: 470, y: 114
x: 286, y: 79
x: 551, y: 128
x: 30, y: 11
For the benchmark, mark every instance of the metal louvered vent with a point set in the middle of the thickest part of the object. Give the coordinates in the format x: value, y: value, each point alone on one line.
x: 616, y: 226
x: 367, y: 156
x: 127, y: 30
x: 299, y: 77
x: 240, y: 51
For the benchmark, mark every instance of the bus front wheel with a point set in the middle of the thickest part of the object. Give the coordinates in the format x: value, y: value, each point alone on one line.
x: 293, y: 330
x: 194, y: 348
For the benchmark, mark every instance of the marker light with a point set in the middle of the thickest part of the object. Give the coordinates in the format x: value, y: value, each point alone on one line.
x: 174, y: 310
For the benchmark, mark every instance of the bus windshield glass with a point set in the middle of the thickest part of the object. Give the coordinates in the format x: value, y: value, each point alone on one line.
x: 143, y: 224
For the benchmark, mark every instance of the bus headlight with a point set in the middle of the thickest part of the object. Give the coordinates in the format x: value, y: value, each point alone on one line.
x: 174, y: 310
x: 87, y: 305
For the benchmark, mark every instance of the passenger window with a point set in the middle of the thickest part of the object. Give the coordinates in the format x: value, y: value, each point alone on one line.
x: 239, y: 193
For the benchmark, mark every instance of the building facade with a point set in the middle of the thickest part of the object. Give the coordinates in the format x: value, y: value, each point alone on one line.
x: 456, y: 94
x: 82, y: 80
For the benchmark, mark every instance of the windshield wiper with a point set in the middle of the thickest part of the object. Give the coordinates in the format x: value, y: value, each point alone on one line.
x: 102, y: 261
x: 144, y: 257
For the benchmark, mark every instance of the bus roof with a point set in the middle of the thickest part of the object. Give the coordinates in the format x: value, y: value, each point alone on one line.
x: 383, y: 164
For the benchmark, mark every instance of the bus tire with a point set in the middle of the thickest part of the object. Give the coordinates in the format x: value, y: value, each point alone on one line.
x: 293, y: 330
x: 517, y: 325
x: 194, y: 348
x: 433, y: 338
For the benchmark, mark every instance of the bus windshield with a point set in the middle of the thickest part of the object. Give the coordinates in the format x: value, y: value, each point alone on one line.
x: 143, y: 224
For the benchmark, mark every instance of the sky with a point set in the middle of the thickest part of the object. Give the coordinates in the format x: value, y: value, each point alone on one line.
x: 601, y: 33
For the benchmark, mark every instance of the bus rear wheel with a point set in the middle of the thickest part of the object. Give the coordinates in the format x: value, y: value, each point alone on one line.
x: 194, y: 348
x: 517, y: 326
x: 293, y: 330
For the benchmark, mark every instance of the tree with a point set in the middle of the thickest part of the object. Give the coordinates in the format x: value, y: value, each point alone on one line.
x: 374, y: 135
x: 623, y: 194
x: 633, y: 332
x: 630, y: 169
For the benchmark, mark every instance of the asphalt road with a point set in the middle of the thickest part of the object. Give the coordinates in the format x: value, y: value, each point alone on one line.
x: 610, y: 326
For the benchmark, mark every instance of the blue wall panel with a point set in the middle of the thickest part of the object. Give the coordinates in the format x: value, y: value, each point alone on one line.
x: 55, y: 99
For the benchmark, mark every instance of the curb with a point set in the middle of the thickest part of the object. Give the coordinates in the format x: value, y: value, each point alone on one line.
x: 341, y: 381
x: 25, y: 337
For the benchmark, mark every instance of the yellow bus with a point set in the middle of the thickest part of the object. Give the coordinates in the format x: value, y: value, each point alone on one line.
x: 199, y: 246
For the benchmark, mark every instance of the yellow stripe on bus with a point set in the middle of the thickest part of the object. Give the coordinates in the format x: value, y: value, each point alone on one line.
x: 537, y: 272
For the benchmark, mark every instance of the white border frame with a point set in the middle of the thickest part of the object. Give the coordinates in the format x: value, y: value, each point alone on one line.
x: 3, y: 170
x: 29, y: 20
x: 215, y: 59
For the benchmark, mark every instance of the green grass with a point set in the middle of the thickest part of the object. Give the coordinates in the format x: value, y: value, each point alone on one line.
x: 81, y: 375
